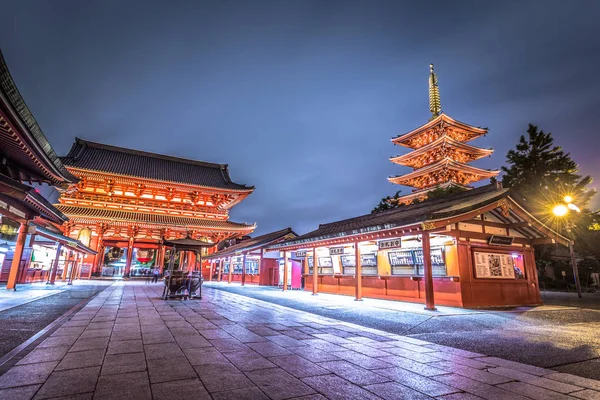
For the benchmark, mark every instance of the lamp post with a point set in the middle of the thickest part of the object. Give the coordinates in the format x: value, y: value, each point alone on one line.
x: 562, y: 210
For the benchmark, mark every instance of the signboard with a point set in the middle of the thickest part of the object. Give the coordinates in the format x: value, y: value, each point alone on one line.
x: 389, y: 244
x: 498, y: 240
x: 493, y: 265
x: 336, y: 251
x: 325, y: 262
x: 400, y: 258
x: 310, y: 262
x: 348, y: 260
x: 437, y: 256
x: 368, y: 260
x: 300, y: 253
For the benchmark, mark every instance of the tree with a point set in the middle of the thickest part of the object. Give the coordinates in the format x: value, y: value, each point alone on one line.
x: 543, y: 174
x: 388, y: 203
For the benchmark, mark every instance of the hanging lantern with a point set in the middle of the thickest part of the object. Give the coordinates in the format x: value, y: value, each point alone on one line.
x: 144, y: 255
x: 115, y: 253
x: 85, y: 236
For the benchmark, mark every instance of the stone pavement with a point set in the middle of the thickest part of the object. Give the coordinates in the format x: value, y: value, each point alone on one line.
x: 127, y: 343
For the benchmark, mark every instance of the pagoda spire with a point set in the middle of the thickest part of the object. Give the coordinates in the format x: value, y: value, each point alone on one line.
x: 435, y: 105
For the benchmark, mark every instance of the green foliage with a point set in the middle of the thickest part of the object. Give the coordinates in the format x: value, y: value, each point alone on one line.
x: 387, y: 203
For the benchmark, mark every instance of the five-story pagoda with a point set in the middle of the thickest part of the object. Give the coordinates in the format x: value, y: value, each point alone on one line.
x: 441, y: 155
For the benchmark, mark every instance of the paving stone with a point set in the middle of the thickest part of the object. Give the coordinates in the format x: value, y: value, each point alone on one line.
x: 19, y: 393
x: 93, y: 333
x: 248, y: 360
x: 184, y: 389
x: 361, y: 360
x: 533, y: 392
x: 416, y: 381
x: 284, y: 341
x: 458, y: 352
x: 58, y: 341
x: 269, y: 349
x: 68, y: 331
x: 411, y: 355
x: 125, y: 346
x: 214, y: 334
x: 530, y: 369
x: 322, y: 345
x: 295, y: 334
x: 419, y: 368
x: 298, y: 366
x: 134, y: 385
x: 30, y: 374
x: 253, y: 393
x: 278, y: 384
x: 366, y: 350
x: 44, y: 354
x: 469, y: 362
x: 81, y: 359
x: 163, y: 350
x: 477, y: 388
x: 222, y: 377
x: 587, y: 394
x: 125, y: 335
x: 123, y: 363
x: 169, y: 369
x: 535, y: 380
x: 225, y: 345
x: 90, y: 344
x: 313, y: 354
x: 335, y: 388
x: 394, y: 391
x: 478, y: 375
x: 459, y: 396
x: 575, y: 380
x: 70, y: 382
x: 159, y: 337
x: 205, y: 356
x: 353, y: 373
x: 192, y: 341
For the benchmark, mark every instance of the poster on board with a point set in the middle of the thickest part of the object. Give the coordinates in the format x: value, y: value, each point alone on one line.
x: 493, y: 265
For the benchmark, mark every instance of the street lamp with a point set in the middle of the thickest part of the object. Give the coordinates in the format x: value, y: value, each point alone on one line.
x: 562, y: 210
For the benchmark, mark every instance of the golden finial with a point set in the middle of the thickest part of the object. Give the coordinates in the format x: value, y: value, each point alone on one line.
x: 435, y: 105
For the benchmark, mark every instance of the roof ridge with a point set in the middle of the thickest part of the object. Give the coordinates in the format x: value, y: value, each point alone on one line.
x: 110, y: 147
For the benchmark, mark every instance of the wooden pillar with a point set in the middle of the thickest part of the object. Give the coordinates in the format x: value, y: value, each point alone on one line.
x: 427, y: 272
x: 55, y: 265
x: 230, y: 275
x: 285, y: 270
x: 16, y: 261
x: 99, y: 258
x: 73, y: 271
x: 221, y: 263
x: 129, y: 257
x: 244, y: 269
x: 315, y: 272
x: 357, y: 273
x: 160, y: 258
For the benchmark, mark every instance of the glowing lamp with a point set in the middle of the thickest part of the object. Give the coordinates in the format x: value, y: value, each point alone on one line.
x: 568, y: 199
x: 573, y: 207
x: 560, y: 210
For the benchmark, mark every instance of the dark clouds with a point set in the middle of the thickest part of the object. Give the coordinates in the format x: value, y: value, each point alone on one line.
x: 302, y: 97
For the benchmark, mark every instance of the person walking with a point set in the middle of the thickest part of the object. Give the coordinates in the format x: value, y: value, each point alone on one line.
x: 155, y: 273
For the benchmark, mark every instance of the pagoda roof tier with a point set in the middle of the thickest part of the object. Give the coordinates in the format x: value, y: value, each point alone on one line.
x: 28, y: 154
x: 445, y: 170
x: 437, y: 127
x: 128, y: 162
x: 76, y: 213
x: 442, y: 147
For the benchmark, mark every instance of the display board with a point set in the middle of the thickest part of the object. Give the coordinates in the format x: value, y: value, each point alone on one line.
x: 348, y: 260
x: 493, y: 265
x: 400, y: 258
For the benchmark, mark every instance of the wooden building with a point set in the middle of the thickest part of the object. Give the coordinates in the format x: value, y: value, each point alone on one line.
x: 129, y: 201
x: 471, y: 249
x: 441, y: 155
x: 247, y: 261
x: 27, y: 159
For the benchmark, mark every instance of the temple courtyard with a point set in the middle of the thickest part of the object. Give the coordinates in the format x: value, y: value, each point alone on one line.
x: 126, y: 342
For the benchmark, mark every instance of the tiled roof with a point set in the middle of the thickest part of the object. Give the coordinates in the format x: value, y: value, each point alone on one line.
x: 406, y: 215
x: 74, y: 212
x: 254, y: 243
x: 119, y: 160
x: 36, y: 140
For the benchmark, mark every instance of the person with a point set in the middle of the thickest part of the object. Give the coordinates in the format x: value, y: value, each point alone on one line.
x: 155, y: 272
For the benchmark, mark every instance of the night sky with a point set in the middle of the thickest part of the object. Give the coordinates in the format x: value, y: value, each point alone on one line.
x: 301, y: 97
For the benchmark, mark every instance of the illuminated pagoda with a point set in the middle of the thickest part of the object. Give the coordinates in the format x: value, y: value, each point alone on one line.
x: 441, y: 155
x: 129, y: 202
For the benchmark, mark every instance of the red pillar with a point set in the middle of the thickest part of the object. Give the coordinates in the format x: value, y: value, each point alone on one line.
x: 230, y: 276
x: 14, y: 266
x: 428, y: 273
x: 99, y: 258
x: 210, y: 274
x: 244, y: 269
x: 55, y: 264
x: 285, y: 270
x: 160, y: 258
x: 129, y: 256
x: 220, y: 271
x: 315, y: 272
x: 357, y: 273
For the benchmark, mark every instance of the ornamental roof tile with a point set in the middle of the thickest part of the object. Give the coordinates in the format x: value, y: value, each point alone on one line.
x: 119, y: 160
x: 403, y: 216
x: 76, y: 212
x: 254, y: 243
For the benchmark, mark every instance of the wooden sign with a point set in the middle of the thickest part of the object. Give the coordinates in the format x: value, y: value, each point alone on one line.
x: 300, y: 253
x: 336, y: 251
x: 497, y: 240
x: 389, y: 244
